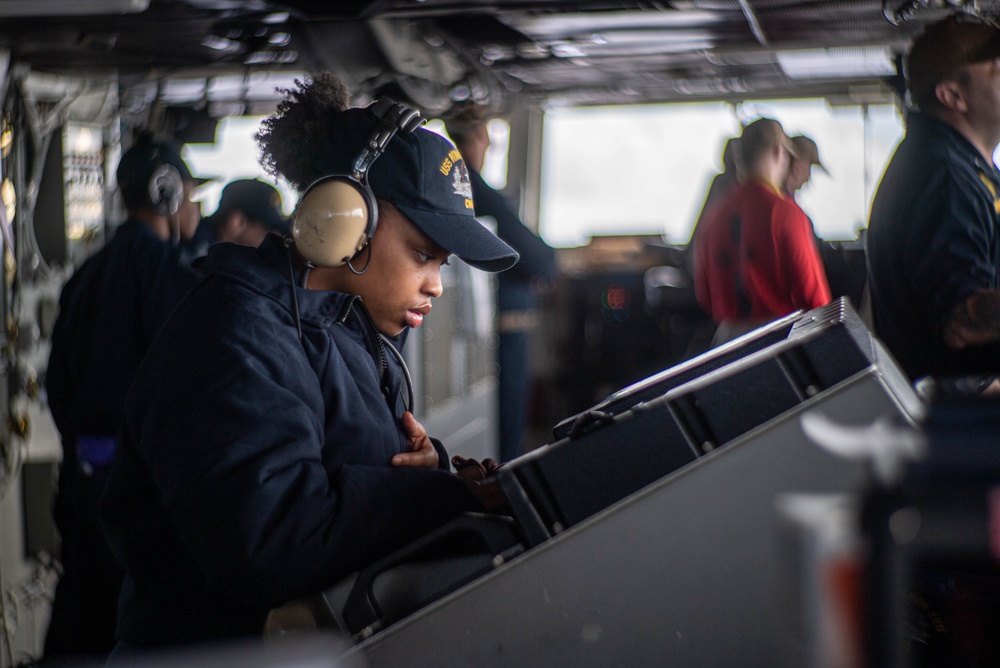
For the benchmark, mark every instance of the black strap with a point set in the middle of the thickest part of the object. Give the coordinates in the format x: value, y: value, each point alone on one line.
x: 742, y: 298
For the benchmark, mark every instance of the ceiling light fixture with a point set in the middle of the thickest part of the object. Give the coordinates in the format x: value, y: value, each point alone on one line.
x: 22, y: 8
x: 222, y: 44
x: 837, y: 63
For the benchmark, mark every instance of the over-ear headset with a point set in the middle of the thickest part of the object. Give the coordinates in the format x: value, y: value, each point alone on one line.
x: 337, y: 214
x: 166, y: 189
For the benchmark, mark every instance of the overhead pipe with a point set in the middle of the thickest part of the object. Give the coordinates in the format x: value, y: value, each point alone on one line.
x: 751, y: 18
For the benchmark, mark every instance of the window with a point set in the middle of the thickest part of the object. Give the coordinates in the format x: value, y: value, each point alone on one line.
x: 646, y: 169
x: 495, y: 163
x: 233, y: 156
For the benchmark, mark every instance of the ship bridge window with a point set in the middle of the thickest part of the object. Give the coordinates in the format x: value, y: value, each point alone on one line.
x: 495, y: 163
x: 233, y: 156
x: 646, y: 169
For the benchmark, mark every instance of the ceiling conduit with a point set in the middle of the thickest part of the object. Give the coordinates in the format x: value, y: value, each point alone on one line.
x: 753, y: 22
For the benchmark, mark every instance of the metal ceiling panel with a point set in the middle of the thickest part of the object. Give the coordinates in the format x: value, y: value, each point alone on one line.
x: 509, y: 51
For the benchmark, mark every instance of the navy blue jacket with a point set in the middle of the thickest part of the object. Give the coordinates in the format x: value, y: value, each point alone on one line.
x: 109, y: 312
x: 254, y: 467
x: 933, y: 240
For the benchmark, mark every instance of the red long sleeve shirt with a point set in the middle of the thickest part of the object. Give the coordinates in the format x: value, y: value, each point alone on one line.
x: 755, y: 257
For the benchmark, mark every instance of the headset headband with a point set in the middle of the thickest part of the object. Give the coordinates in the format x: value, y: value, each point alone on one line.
x: 393, y: 117
x: 338, y: 214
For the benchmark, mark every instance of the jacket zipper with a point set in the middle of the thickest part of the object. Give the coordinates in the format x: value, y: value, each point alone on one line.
x: 371, y: 331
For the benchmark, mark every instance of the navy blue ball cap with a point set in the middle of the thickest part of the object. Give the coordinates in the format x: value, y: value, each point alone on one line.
x: 945, y: 47
x: 258, y: 200
x: 424, y: 176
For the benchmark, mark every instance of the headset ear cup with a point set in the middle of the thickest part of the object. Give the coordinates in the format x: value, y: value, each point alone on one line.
x: 166, y: 189
x: 334, y: 220
x: 337, y: 214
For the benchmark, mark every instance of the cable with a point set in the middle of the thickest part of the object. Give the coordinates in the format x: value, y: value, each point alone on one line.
x: 901, y: 11
x: 898, y: 12
x: 358, y: 272
x: 287, y: 242
x: 306, y: 270
x: 409, y: 406
x: 18, y: 604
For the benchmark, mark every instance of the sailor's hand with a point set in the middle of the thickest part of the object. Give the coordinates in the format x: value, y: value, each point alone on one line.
x: 419, y: 449
x: 479, y: 476
x: 974, y: 322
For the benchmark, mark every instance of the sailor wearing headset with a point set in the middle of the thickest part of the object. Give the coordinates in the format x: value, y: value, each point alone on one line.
x: 267, y: 449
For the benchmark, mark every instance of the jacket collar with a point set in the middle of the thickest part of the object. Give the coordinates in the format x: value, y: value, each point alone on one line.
x: 267, y: 271
x: 928, y: 126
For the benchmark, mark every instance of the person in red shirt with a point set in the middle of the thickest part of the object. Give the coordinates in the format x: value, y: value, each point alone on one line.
x: 755, y: 258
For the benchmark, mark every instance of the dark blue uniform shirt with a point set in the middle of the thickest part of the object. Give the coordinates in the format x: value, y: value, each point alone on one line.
x: 254, y: 466
x: 515, y: 287
x: 933, y: 240
x: 109, y: 313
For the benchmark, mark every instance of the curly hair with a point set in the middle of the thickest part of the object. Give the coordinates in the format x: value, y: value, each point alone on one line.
x: 292, y: 140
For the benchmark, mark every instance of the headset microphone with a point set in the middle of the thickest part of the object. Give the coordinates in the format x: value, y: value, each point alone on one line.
x: 337, y: 215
